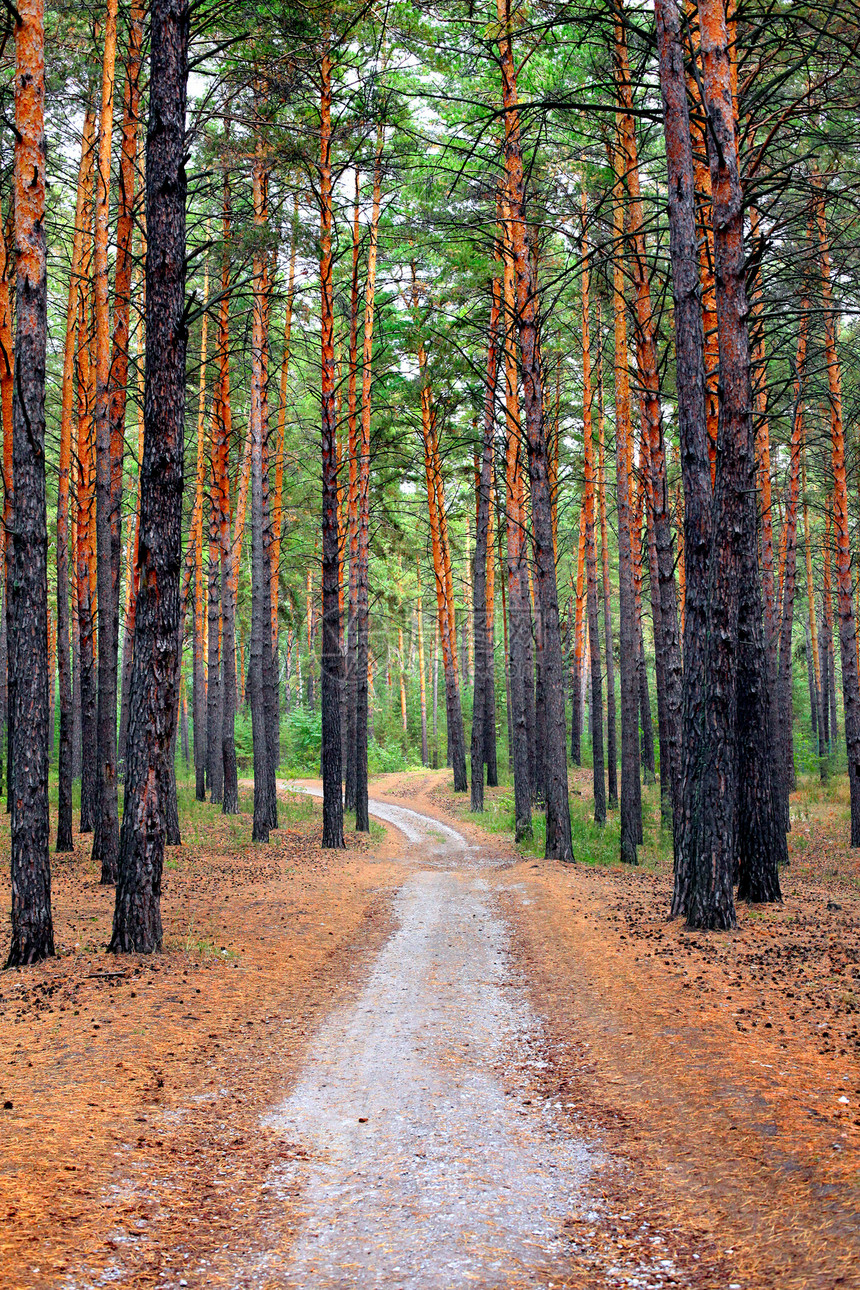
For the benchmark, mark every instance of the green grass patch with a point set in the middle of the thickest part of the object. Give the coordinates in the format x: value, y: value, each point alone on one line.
x: 593, y: 844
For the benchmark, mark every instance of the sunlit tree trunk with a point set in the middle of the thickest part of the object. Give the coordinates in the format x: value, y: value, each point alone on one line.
x: 841, y: 529
x: 86, y: 523
x: 519, y: 613
x: 214, y: 706
x: 223, y: 434
x: 30, y: 872
x: 260, y: 623
x: 762, y: 434
x: 331, y: 680
x: 200, y: 697
x: 698, y: 130
x: 106, y: 837
x: 64, y: 765
x: 130, y: 212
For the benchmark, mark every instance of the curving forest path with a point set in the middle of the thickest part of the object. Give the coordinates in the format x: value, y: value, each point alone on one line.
x: 428, y: 1169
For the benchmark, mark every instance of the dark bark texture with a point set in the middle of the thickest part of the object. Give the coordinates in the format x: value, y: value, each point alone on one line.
x: 32, y: 927
x: 695, y: 467
x: 152, y: 704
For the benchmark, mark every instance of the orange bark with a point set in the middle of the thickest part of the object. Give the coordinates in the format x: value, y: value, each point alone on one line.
x: 759, y: 374
x: 702, y: 171
x: 6, y: 385
x: 845, y: 604
x: 810, y: 588
x: 578, y: 630
x: 199, y: 481
x: 241, y: 508
x: 77, y: 290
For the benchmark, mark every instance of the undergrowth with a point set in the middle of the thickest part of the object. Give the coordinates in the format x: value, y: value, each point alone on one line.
x: 593, y: 843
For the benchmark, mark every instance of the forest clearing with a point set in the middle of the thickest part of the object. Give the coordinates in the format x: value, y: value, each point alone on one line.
x: 429, y: 656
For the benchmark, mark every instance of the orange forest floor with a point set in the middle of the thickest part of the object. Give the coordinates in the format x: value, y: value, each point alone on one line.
x: 716, y: 1076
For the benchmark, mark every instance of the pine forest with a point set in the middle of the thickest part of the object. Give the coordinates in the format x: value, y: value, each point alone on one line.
x: 429, y: 653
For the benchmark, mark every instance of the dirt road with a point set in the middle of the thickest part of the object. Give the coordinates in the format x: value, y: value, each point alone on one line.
x: 427, y: 1061
x: 433, y: 1164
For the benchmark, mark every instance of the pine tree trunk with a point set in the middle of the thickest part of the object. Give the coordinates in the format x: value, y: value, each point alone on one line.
x: 7, y: 362
x: 152, y: 706
x: 331, y: 680
x: 64, y: 765
x: 578, y: 640
x: 425, y: 756
x: 666, y: 640
x: 362, y: 818
x: 827, y: 613
x: 811, y: 624
x: 845, y: 607
x: 32, y: 927
x: 785, y: 756
x: 214, y: 761
x: 277, y: 523
x: 518, y: 616
x: 122, y: 332
x: 558, y: 836
x: 735, y: 819
x: 260, y: 621
x: 656, y: 622
x: 76, y: 661
x: 771, y: 615
x: 201, y: 696
x: 352, y: 507
x: 479, y: 578
x: 611, y: 745
x: 223, y: 426
x: 132, y: 567
x: 183, y: 713
x: 631, y: 809
x: 270, y: 671
x: 489, y: 715
x: 106, y: 837
x: 442, y: 571
x: 454, y: 711
x: 588, y: 509
x: 86, y: 564
x: 692, y: 417
x: 637, y: 493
